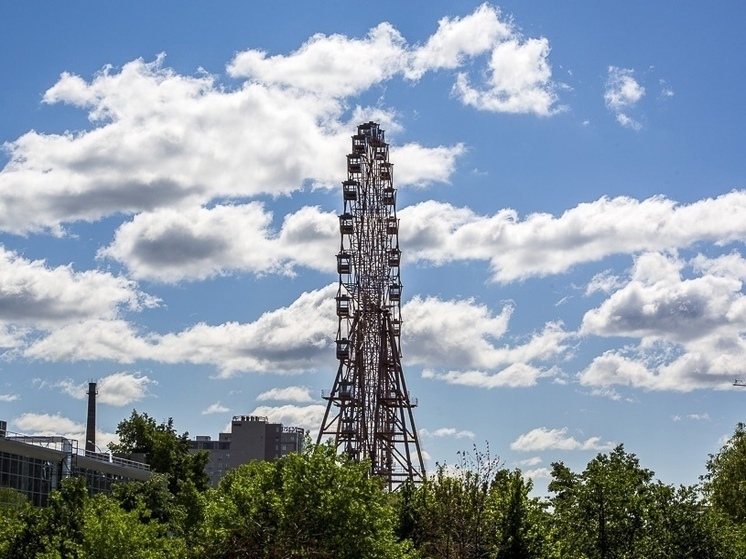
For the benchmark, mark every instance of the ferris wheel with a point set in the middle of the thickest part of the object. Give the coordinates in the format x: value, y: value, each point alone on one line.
x: 369, y: 410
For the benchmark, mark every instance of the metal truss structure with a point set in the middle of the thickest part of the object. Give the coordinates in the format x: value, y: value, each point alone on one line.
x: 369, y: 410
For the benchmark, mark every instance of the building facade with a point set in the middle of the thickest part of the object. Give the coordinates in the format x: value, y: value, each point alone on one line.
x: 36, y: 465
x: 251, y: 438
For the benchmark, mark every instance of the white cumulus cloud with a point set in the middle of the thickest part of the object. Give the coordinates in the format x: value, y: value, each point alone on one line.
x: 307, y: 417
x: 217, y: 407
x: 542, y: 244
x: 118, y: 389
x: 36, y: 295
x: 300, y: 394
x: 159, y: 139
x: 287, y: 340
x: 56, y: 425
x: 690, y: 329
x: 555, y: 439
x: 622, y: 93
x: 448, y: 432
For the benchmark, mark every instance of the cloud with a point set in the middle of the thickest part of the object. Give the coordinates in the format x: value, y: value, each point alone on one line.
x: 449, y: 332
x: 92, y: 340
x: 47, y: 424
x: 298, y: 394
x: 604, y: 282
x: 666, y: 91
x: 298, y: 338
x: 622, y: 93
x: 542, y: 244
x: 197, y: 243
x: 160, y: 139
x: 36, y: 295
x: 170, y: 245
x: 507, y: 366
x: 12, y: 337
x: 692, y: 417
x: 515, y: 375
x: 56, y: 425
x: 447, y: 432
x: 217, y: 407
x: 330, y: 66
x: 538, y: 473
x: 118, y: 389
x: 606, y: 392
x: 518, y: 74
x: 555, y: 439
x: 165, y: 140
x: 459, y: 38
x: 462, y: 334
x: 693, y: 367
x: 533, y: 461
x: 9, y: 397
x: 689, y: 328
x: 425, y: 165
x: 336, y: 66
x: 308, y: 417
x: 731, y: 265
x: 519, y: 80
x: 658, y: 303
x: 288, y: 340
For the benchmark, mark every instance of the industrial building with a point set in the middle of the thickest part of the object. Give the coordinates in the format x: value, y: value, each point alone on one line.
x: 36, y: 465
x: 251, y: 438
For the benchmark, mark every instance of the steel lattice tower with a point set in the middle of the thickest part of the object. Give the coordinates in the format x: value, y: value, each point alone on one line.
x: 369, y: 411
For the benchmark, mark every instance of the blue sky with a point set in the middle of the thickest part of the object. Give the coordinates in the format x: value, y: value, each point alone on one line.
x: 571, y: 195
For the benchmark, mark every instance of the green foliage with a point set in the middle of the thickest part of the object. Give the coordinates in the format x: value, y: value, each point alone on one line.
x: 725, y: 480
x: 114, y: 533
x: 684, y: 527
x: 474, y: 509
x: 600, y: 513
x: 614, y: 509
x: 521, y: 522
x: 76, y: 526
x: 151, y: 499
x: 318, y: 504
x: 13, y: 508
x: 166, y: 451
x: 56, y: 531
x: 314, y: 504
x: 11, y: 500
x: 454, y: 503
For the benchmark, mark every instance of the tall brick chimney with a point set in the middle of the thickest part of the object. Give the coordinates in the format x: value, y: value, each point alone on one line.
x: 90, y: 429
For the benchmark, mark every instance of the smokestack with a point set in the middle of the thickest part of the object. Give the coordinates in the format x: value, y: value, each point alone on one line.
x: 90, y: 429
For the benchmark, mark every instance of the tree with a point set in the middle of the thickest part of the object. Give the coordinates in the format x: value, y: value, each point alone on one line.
x: 312, y: 504
x: 472, y: 510
x: 600, y: 513
x: 725, y: 480
x: 521, y: 522
x: 452, y: 520
x: 679, y: 524
x: 55, y: 531
x: 181, y: 515
x: 13, y: 508
x: 615, y: 509
x: 76, y: 526
x: 165, y: 450
x: 111, y: 532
